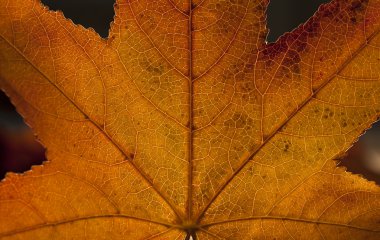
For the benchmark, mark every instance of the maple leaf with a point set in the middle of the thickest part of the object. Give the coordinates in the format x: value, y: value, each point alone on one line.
x: 185, y: 123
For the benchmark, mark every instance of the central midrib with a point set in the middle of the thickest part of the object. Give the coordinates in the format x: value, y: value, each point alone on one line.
x: 191, y: 106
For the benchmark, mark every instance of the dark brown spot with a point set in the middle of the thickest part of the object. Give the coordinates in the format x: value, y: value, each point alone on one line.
x: 293, y: 57
x: 301, y: 45
x: 286, y: 147
x: 239, y: 120
x: 311, y: 28
x: 245, y: 87
x: 356, y: 6
x: 154, y: 68
x: 249, y: 66
x: 349, y: 198
x: 330, y: 10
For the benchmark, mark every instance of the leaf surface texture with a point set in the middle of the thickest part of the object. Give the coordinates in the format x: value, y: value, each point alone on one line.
x: 184, y: 121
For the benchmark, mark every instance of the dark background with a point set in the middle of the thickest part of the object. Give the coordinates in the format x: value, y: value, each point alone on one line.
x: 19, y: 149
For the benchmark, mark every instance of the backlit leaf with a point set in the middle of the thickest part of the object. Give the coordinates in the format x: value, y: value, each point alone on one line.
x: 185, y: 123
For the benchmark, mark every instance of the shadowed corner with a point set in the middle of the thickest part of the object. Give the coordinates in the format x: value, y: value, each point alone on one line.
x: 363, y: 158
x: 19, y: 150
x: 97, y: 14
x: 286, y: 15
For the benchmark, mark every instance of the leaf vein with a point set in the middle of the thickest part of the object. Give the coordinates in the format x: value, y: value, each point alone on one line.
x: 229, y: 179
x: 98, y: 127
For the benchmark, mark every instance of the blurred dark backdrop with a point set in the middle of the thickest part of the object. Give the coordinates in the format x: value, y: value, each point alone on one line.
x: 19, y: 149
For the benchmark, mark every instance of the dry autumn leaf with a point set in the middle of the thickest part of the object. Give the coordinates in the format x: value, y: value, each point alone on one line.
x: 185, y: 123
